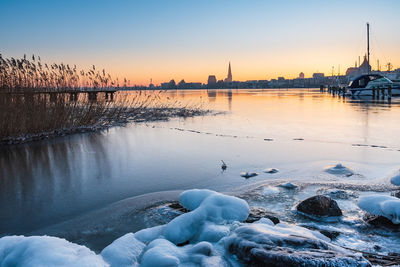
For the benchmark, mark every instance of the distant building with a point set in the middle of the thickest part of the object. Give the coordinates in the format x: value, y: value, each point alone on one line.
x: 301, y: 75
x: 229, y: 78
x: 362, y: 69
x: 212, y: 80
x: 318, y: 75
x: 170, y: 85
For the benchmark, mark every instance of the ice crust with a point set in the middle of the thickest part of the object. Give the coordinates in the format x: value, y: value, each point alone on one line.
x: 386, y: 206
x: 211, y: 234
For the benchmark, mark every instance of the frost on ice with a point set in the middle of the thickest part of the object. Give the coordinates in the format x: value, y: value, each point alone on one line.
x: 385, y: 206
x: 211, y: 234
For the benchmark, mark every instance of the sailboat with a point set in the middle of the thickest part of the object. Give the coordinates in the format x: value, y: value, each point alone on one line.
x: 368, y: 84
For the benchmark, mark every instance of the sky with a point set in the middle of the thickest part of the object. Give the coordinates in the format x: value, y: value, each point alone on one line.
x: 191, y: 39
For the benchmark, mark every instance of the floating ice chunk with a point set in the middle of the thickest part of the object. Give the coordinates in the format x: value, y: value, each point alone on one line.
x: 38, y: 251
x: 339, y: 169
x: 124, y: 251
x: 271, y: 170
x: 288, y: 185
x: 385, y: 206
x: 269, y: 190
x: 395, y: 180
x: 217, y: 208
x: 248, y: 174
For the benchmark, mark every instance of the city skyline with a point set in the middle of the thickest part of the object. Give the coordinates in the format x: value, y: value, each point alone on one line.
x: 191, y: 40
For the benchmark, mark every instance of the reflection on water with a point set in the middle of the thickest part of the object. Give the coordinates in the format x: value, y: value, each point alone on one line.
x: 48, y: 182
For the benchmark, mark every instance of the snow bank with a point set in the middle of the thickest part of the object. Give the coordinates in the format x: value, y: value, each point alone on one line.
x: 42, y: 251
x: 123, y: 252
x: 385, y: 206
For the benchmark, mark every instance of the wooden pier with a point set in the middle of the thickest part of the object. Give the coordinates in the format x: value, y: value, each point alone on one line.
x: 92, y: 93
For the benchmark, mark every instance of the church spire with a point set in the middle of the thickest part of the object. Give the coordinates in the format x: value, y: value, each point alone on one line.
x: 229, y: 78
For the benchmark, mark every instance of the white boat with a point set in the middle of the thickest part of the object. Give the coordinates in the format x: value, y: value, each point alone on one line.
x: 368, y: 84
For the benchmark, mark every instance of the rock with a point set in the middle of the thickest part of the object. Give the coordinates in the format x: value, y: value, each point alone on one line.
x: 269, y: 246
x: 320, y: 206
x: 271, y: 170
x: 380, y: 221
x: 177, y: 206
x: 288, y: 185
x: 256, y: 213
x: 396, y: 194
x: 330, y: 234
x: 248, y: 174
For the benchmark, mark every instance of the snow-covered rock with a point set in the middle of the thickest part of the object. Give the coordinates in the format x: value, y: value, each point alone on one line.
x: 39, y: 251
x: 248, y: 174
x: 271, y: 170
x: 395, y: 180
x: 339, y: 169
x: 386, y: 206
x: 288, y: 185
x: 287, y: 245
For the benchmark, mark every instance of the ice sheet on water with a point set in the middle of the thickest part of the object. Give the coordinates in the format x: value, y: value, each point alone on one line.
x: 212, y: 233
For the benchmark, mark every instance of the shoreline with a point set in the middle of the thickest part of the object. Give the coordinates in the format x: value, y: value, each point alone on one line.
x: 149, y: 115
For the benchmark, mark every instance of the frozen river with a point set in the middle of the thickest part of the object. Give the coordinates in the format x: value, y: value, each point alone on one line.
x: 299, y: 132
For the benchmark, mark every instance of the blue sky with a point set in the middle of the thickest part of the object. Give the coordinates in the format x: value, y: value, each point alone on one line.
x: 178, y: 39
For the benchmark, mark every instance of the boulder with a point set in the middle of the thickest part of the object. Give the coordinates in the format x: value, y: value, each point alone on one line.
x: 320, y: 206
x: 256, y: 213
x: 380, y: 221
x: 275, y: 246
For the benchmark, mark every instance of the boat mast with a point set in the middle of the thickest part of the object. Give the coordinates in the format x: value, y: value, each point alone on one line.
x: 368, y: 47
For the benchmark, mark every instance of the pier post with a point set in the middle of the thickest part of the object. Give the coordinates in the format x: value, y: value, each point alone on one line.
x: 53, y: 97
x: 373, y: 92
x: 106, y: 95
x: 71, y: 97
x: 390, y: 91
x: 112, y: 96
x: 321, y: 88
x: 378, y: 90
x: 383, y: 92
x: 92, y: 96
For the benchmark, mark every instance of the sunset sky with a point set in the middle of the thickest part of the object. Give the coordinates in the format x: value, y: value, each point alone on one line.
x: 182, y: 39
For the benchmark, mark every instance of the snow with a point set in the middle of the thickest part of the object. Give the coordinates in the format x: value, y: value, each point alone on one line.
x: 395, y: 180
x: 386, y: 206
x: 123, y: 251
x: 339, y: 169
x: 215, y: 207
x: 39, y: 251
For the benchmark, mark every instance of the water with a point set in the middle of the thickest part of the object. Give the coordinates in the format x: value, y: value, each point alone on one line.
x: 297, y: 131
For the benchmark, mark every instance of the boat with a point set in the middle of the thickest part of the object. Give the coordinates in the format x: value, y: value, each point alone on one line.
x: 371, y: 84
x: 368, y: 85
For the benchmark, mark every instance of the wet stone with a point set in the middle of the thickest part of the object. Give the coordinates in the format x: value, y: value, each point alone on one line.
x: 320, y: 206
x: 256, y: 213
x: 380, y: 221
